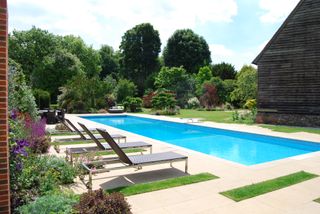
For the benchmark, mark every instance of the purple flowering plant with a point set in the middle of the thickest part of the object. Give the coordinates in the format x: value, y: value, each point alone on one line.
x: 39, y: 142
x: 17, y: 141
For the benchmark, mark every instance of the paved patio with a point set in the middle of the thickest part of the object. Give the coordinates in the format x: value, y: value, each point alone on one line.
x: 204, y: 197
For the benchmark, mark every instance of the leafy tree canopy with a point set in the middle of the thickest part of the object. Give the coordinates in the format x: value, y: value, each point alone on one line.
x: 140, y: 47
x: 20, y: 94
x: 125, y: 88
x: 176, y: 79
x: 246, y: 85
x: 55, y: 70
x: 187, y: 49
x: 81, y: 94
x: 224, y: 71
x: 109, y: 61
x: 89, y: 57
x: 203, y: 75
x: 29, y: 48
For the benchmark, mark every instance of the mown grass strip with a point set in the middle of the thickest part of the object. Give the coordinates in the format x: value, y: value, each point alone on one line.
x: 62, y: 133
x: 164, y: 184
x: 102, y: 153
x: 71, y: 143
x: 317, y: 200
x: 291, y: 129
x: 68, y: 133
x: 260, y: 188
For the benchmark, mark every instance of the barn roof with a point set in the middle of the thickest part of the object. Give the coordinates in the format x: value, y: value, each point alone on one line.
x: 275, y: 36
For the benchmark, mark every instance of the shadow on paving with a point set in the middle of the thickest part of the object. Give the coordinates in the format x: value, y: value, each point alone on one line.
x: 142, y: 177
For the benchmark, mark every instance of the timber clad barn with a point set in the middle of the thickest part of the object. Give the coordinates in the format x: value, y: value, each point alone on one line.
x: 289, y: 70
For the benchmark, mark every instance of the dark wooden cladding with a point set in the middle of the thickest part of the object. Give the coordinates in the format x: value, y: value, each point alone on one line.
x: 289, y: 66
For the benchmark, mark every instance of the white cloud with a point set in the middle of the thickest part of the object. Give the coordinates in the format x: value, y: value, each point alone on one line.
x: 219, y: 52
x: 238, y: 58
x: 276, y: 10
x: 105, y: 21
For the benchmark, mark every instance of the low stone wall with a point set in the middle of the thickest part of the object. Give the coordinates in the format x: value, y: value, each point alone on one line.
x: 288, y: 119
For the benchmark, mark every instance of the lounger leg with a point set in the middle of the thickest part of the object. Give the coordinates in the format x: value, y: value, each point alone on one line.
x: 151, y: 150
x: 171, y: 165
x: 138, y: 167
x: 89, y: 185
x: 71, y: 159
x: 186, y: 166
x: 67, y: 156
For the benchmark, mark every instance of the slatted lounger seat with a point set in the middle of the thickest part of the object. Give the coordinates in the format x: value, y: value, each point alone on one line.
x: 74, y: 129
x: 136, y: 161
x: 139, y: 160
x: 70, y: 152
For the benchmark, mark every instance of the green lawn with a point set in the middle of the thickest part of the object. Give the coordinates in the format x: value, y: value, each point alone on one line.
x: 62, y: 133
x: 253, y: 190
x: 164, y: 184
x: 214, y: 116
x: 226, y: 117
x: 291, y: 129
x: 101, y: 153
x: 71, y: 143
x: 317, y: 200
x: 69, y: 133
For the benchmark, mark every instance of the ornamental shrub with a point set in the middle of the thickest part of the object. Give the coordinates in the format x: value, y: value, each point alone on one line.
x: 125, y: 88
x: 164, y: 101
x: 61, y: 203
x: 147, y: 99
x: 66, y: 172
x: 98, y: 201
x: 133, y: 104
x: 42, y: 98
x: 110, y: 100
x: 39, y: 142
x: 20, y: 94
x: 251, y: 104
x: 210, y: 97
x: 44, y: 173
x: 193, y: 103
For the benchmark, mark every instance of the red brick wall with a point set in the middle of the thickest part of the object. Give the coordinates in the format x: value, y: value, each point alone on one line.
x: 4, y: 163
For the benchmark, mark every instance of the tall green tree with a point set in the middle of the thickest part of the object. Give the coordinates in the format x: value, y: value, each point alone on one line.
x: 186, y: 48
x: 30, y: 47
x: 224, y: 71
x: 246, y: 85
x: 140, y: 47
x: 109, y: 61
x: 88, y: 56
x: 55, y: 70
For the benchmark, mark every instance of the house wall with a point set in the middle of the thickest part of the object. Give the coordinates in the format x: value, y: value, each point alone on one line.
x: 4, y: 163
x: 289, y: 71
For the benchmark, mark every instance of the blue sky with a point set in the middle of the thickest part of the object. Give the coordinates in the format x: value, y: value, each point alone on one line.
x: 236, y: 30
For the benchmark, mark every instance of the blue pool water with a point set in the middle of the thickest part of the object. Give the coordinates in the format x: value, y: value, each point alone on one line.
x: 240, y: 147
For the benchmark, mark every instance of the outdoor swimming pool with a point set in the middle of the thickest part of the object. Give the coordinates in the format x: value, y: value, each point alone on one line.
x: 240, y: 147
